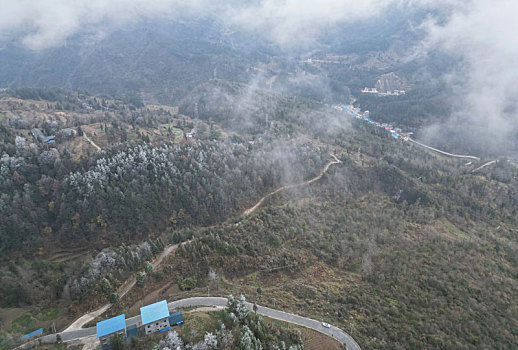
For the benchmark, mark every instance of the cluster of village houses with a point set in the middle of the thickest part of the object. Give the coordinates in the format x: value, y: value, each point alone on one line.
x: 154, y: 318
x: 383, y: 93
x: 356, y: 112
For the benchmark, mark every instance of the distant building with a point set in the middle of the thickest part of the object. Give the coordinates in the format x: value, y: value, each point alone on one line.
x: 110, y: 327
x: 38, y: 135
x: 367, y: 90
x: 50, y: 139
x: 155, y: 317
x: 191, y: 134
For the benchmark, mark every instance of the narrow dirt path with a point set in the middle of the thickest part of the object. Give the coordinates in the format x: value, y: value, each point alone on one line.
x: 123, y: 290
x: 316, y: 178
x: 91, y: 142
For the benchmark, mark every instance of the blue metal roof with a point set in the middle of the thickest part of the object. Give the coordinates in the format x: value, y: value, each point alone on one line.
x: 111, y: 325
x: 32, y: 334
x: 154, y: 312
x: 175, y: 318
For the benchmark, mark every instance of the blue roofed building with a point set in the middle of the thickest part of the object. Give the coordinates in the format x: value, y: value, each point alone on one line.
x: 176, y: 318
x: 32, y: 334
x: 155, y: 317
x: 108, y: 328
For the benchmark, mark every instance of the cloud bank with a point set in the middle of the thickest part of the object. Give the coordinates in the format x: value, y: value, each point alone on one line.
x: 482, y: 33
x: 43, y: 24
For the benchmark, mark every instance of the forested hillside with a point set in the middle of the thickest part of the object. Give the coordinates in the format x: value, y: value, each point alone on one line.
x: 402, y: 247
x: 157, y: 62
x: 399, y: 242
x: 253, y: 110
x: 133, y: 189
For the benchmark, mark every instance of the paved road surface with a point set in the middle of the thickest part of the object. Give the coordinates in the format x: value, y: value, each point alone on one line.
x: 485, y: 165
x: 442, y: 152
x: 333, y: 331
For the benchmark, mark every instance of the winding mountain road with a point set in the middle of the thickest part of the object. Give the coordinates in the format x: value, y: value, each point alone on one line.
x: 442, y: 152
x: 219, y: 302
x: 76, y: 331
x: 126, y: 287
x: 316, y: 178
x: 483, y: 166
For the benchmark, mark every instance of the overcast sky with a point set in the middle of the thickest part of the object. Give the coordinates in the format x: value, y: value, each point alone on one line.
x: 48, y: 23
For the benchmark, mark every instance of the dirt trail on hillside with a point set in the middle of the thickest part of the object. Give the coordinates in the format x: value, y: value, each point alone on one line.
x: 316, y: 178
x: 129, y: 284
x: 123, y: 290
x: 91, y: 142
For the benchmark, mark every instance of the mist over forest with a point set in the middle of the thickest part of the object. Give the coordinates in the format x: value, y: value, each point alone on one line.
x: 352, y: 162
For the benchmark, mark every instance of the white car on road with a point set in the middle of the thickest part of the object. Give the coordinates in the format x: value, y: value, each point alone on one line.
x: 326, y: 325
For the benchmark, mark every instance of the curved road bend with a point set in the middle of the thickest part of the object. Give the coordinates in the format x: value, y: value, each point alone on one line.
x: 442, y: 152
x: 333, y: 331
x: 316, y: 178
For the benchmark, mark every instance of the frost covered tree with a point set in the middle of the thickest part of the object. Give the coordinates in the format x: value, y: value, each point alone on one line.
x: 19, y: 141
x: 148, y: 267
x: 106, y: 286
x: 141, y: 278
x: 238, y: 307
x: 213, y: 279
x: 296, y: 347
x: 247, y: 340
x: 171, y: 341
x: 127, y: 258
x: 210, y: 342
x: 224, y: 336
